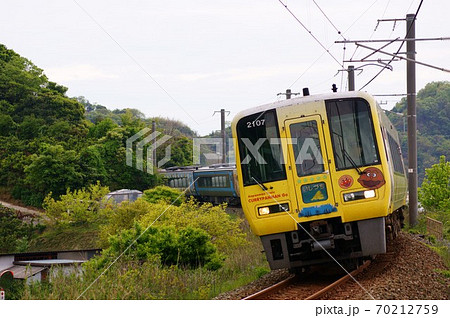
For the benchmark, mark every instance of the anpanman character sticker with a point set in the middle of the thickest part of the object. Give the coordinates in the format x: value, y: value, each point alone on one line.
x: 345, y: 181
x: 372, y: 178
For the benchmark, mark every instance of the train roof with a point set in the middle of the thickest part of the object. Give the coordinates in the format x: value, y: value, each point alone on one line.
x: 217, y: 167
x: 299, y: 100
x: 213, y: 167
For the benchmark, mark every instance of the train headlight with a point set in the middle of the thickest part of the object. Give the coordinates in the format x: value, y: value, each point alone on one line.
x: 265, y: 210
x: 368, y: 194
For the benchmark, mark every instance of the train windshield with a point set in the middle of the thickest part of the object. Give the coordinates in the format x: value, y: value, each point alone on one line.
x: 352, y: 133
x: 260, y: 148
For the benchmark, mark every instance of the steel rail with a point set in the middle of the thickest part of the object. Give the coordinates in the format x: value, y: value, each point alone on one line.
x: 340, y: 281
x: 271, y: 289
x: 290, y: 280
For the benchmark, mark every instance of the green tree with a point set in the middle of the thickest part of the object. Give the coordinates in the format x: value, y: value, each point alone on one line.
x: 186, y: 247
x: 78, y: 206
x: 433, y: 125
x: 54, y: 170
x: 435, y: 191
x: 164, y: 194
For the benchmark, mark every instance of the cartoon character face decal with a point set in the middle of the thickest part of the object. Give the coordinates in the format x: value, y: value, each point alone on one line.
x: 345, y: 181
x: 372, y: 178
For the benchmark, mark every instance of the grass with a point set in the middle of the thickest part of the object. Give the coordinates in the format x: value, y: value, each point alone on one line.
x: 130, y: 279
x: 440, y: 247
x: 59, y: 237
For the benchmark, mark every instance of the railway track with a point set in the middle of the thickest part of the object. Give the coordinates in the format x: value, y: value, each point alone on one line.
x: 309, y: 288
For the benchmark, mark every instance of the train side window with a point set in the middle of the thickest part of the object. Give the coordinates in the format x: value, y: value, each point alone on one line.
x: 220, y: 181
x: 396, y: 155
x: 307, y: 150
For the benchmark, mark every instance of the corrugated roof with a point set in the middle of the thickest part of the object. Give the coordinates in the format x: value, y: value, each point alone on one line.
x: 49, y: 252
x: 124, y: 191
x: 49, y: 262
x: 23, y: 272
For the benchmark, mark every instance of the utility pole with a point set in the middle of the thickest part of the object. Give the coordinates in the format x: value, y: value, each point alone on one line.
x: 223, y: 135
x: 154, y: 162
x: 288, y: 93
x: 411, y: 62
x: 412, y: 119
x: 351, y: 78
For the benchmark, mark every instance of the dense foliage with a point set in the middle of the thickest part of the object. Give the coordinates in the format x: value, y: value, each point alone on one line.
x: 433, y: 125
x: 152, y: 249
x: 14, y: 233
x: 434, y: 194
x: 50, y: 142
x: 83, y: 206
x: 168, y: 245
x: 165, y: 194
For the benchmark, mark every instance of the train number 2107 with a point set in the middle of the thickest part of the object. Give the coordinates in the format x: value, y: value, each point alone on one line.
x: 255, y: 123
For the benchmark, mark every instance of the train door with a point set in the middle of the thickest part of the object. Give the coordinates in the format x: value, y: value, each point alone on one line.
x: 309, y: 166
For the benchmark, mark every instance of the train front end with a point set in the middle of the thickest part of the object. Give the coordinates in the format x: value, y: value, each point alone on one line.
x: 314, y: 179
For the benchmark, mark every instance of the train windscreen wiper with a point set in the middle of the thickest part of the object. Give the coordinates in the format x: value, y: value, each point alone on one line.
x: 260, y: 184
x: 351, y: 161
x: 345, y: 153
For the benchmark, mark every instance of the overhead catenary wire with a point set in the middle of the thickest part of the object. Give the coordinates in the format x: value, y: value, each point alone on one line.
x: 398, y: 51
x: 357, y: 19
x: 362, y: 14
x: 310, y: 32
x: 135, y: 61
x: 326, y: 50
x: 329, y: 20
x: 340, y: 34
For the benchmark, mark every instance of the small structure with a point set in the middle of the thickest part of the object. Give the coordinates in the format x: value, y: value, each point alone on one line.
x: 435, y: 228
x: 124, y: 195
x: 39, y: 266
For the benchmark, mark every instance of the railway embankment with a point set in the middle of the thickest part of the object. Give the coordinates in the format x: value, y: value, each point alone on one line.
x: 410, y: 270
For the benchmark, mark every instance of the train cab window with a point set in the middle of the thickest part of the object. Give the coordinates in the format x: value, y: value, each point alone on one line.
x: 352, y: 133
x: 306, y: 145
x: 260, y: 148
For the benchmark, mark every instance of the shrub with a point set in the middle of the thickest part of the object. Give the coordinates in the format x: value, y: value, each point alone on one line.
x: 14, y: 233
x: 122, y: 217
x: 79, y: 206
x: 187, y: 247
x: 163, y: 194
x: 435, y: 191
x: 225, y: 231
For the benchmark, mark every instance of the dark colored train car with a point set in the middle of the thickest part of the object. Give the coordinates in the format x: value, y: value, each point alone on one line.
x: 217, y: 184
x: 180, y: 178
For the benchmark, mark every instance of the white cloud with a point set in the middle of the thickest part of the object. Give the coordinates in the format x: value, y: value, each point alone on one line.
x: 80, y: 72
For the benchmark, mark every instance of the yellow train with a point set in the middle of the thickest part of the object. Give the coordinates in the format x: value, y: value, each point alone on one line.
x: 320, y: 177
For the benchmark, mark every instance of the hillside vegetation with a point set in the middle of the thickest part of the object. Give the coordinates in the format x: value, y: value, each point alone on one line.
x: 433, y: 125
x: 151, y: 248
x: 50, y: 143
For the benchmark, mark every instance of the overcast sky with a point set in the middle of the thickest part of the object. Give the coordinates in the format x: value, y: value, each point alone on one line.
x: 186, y: 59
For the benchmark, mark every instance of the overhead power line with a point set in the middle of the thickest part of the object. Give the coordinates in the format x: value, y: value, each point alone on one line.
x: 309, y: 31
x: 337, y: 30
x: 134, y: 60
x: 398, y: 51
